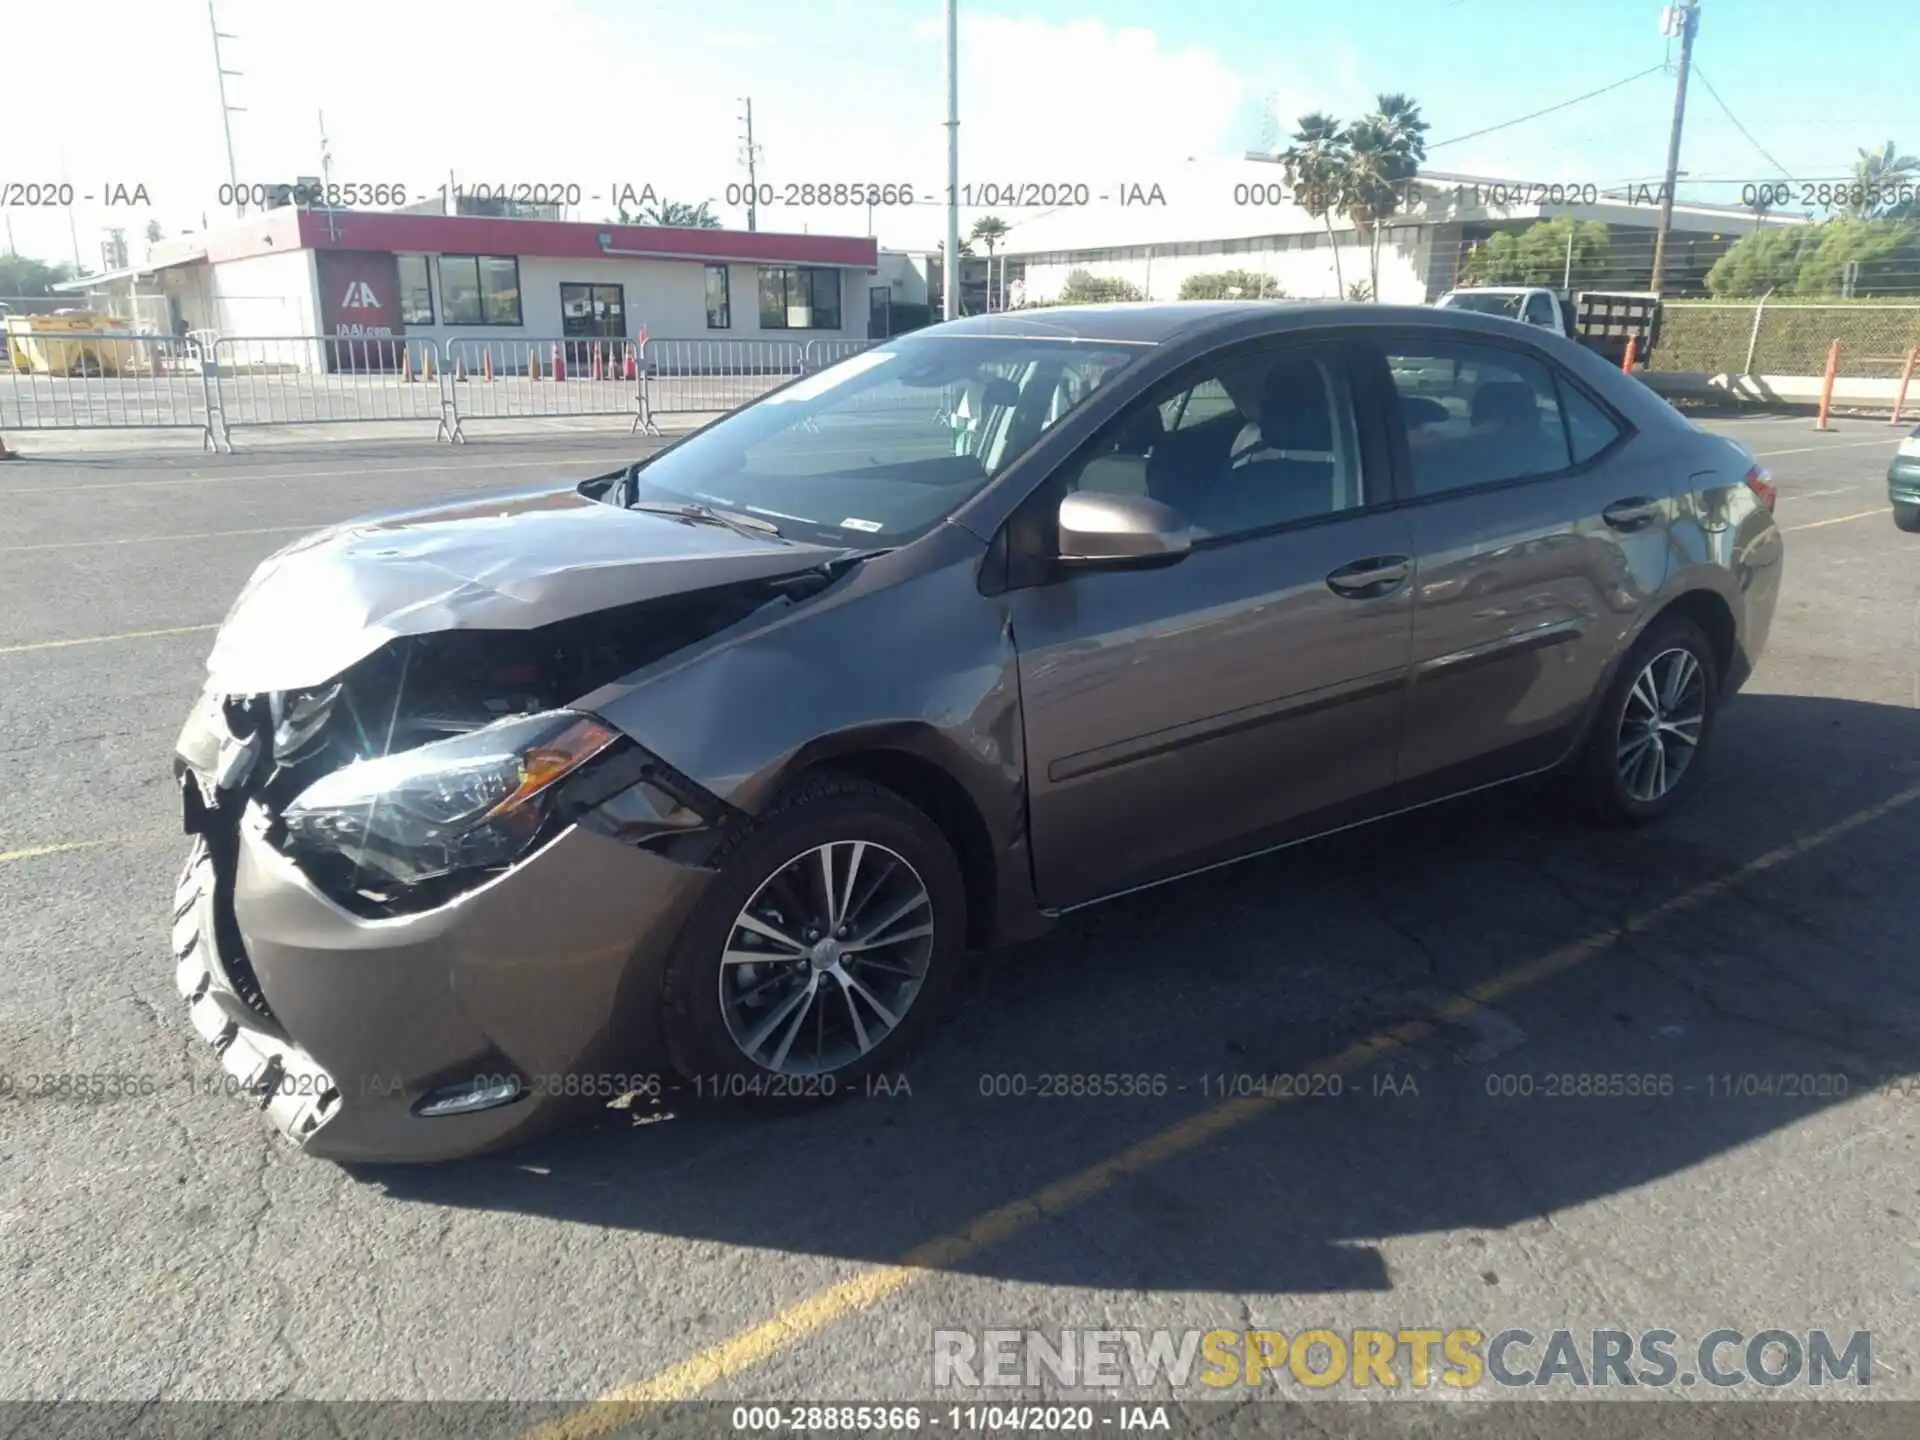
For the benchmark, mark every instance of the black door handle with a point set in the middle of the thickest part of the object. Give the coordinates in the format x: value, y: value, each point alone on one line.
x: 1370, y: 578
x: 1631, y: 514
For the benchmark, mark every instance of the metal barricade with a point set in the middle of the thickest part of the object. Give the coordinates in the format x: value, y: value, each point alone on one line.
x: 822, y: 353
x: 712, y: 377
x: 106, y: 381
x: 530, y: 378
x: 330, y: 380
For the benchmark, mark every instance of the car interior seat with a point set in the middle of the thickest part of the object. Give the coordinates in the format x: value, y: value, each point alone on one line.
x: 1293, y: 473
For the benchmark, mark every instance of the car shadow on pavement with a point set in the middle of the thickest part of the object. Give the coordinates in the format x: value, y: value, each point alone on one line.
x: 1707, y: 1014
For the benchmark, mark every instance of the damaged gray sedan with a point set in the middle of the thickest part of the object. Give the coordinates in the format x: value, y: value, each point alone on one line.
x: 719, y: 764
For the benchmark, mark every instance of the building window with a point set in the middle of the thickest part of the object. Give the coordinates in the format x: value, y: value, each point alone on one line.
x: 480, y: 289
x: 416, y: 293
x: 719, y: 300
x: 799, y: 298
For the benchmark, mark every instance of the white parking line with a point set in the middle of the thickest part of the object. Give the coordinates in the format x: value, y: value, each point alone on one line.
x: 1833, y: 445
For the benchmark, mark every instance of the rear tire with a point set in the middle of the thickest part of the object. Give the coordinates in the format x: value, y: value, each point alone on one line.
x: 1653, y: 727
x: 742, y: 1028
x: 1907, y: 517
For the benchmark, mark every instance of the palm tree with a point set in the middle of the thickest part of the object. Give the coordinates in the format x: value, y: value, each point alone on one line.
x: 1316, y: 168
x: 1384, y: 151
x: 1881, y: 170
x: 990, y: 230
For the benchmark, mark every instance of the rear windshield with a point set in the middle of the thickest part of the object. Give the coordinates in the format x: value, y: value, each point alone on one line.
x: 1507, y: 305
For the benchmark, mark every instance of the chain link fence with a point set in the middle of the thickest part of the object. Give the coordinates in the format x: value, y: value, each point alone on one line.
x: 1769, y: 337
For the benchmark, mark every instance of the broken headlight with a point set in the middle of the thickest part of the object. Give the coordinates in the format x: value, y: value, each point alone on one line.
x: 476, y: 800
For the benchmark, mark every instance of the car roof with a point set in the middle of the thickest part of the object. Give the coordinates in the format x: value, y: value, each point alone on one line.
x: 1157, y: 322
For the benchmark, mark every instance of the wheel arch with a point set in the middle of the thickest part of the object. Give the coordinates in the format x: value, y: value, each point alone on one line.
x: 987, y: 840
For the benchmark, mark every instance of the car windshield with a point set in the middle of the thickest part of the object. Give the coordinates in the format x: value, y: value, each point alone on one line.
x: 1507, y: 305
x: 881, y: 447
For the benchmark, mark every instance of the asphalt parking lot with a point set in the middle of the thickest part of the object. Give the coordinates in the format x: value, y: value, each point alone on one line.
x: 166, y: 1245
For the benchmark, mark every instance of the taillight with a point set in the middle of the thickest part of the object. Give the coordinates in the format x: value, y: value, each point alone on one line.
x: 1760, y: 481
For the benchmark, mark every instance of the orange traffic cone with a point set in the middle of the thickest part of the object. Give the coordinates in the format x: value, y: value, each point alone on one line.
x: 596, y: 362
x: 631, y: 372
x: 406, y: 362
x: 486, y: 363
x: 533, y: 362
x: 1633, y: 345
x: 559, y: 364
x: 427, y: 370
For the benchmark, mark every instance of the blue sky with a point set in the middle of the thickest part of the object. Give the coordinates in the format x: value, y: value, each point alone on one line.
x: 595, y: 92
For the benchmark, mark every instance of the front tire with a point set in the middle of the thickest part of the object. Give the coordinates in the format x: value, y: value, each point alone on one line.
x: 1907, y: 517
x: 1654, y: 725
x: 822, y: 953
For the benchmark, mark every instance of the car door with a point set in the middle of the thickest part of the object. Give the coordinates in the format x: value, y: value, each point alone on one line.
x: 1179, y: 715
x: 1536, y: 548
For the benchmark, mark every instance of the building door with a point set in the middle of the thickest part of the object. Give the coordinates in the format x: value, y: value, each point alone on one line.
x: 591, y: 313
x: 879, y: 312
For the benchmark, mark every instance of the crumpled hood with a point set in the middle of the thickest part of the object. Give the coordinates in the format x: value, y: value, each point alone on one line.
x: 511, y: 562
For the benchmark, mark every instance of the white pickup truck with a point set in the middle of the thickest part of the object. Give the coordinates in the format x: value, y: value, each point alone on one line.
x: 1601, y: 320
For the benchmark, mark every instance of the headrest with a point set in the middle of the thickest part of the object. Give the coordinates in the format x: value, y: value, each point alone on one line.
x: 1505, y: 402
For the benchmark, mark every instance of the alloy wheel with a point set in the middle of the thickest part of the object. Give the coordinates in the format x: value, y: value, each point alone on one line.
x: 826, y: 958
x: 1661, y: 724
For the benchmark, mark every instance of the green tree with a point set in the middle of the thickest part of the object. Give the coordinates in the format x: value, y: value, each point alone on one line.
x: 1316, y: 168
x: 1085, y: 288
x: 1878, y: 178
x: 21, y: 275
x: 1538, y: 254
x: 1763, y: 261
x: 1231, y: 285
x: 1383, y: 155
x: 1862, y: 258
x: 676, y: 213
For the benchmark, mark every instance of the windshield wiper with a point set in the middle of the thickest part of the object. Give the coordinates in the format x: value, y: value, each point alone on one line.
x: 694, y: 513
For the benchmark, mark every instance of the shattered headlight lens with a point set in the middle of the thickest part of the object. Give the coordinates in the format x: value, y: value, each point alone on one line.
x: 479, y: 799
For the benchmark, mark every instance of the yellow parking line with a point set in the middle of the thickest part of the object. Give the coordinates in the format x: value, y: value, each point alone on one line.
x: 157, y: 539
x: 32, y: 850
x: 546, y: 462
x: 805, y: 1317
x: 1837, y: 520
x: 103, y: 639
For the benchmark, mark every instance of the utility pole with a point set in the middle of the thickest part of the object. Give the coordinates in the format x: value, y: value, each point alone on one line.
x: 220, y: 73
x: 950, y: 277
x: 1566, y: 278
x: 750, y: 156
x: 1686, y: 16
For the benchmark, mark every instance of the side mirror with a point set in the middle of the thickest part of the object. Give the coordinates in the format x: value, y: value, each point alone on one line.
x: 1101, y: 531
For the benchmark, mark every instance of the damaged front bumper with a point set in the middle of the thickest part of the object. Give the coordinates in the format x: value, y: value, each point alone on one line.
x: 339, y: 1026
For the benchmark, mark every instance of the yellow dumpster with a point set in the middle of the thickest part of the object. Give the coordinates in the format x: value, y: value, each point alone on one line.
x: 76, y: 343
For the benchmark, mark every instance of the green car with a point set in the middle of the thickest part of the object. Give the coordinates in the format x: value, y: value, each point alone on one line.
x: 1903, y: 483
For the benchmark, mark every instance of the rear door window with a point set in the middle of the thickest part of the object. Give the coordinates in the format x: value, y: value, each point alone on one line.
x: 1476, y: 415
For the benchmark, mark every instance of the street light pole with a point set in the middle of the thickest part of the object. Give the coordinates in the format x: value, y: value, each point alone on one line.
x: 950, y: 278
x: 220, y: 74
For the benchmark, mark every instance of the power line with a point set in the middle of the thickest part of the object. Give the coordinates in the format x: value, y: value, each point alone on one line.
x: 1728, y: 112
x: 1564, y: 104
